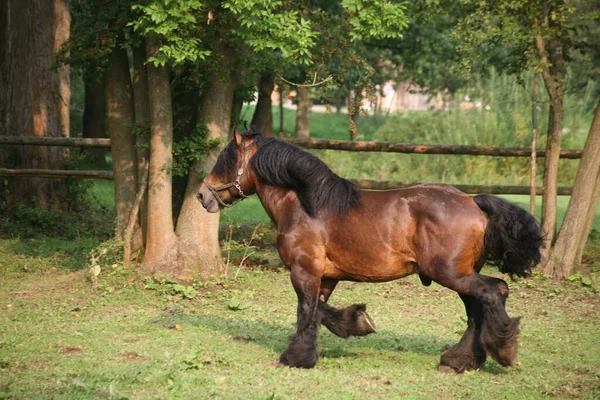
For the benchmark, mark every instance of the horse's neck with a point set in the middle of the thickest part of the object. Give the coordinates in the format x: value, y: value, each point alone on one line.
x: 277, y: 202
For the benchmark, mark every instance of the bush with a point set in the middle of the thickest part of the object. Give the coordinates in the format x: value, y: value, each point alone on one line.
x: 34, y: 222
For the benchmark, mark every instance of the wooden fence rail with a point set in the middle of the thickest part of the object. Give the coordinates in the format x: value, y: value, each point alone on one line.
x: 409, y: 148
x: 55, y: 141
x: 57, y: 173
x: 320, y: 144
x: 362, y: 183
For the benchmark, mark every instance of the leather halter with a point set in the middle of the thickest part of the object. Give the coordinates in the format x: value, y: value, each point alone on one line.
x: 236, y: 183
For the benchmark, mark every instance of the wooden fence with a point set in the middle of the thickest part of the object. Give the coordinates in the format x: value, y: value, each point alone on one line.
x: 310, y: 144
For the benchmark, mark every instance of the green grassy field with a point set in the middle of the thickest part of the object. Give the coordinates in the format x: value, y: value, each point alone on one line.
x: 66, y: 333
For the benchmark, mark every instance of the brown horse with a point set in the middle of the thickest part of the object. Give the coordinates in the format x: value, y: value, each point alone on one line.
x: 329, y: 230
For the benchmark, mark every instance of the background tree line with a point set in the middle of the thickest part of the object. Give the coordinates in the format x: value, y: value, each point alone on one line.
x: 167, y: 80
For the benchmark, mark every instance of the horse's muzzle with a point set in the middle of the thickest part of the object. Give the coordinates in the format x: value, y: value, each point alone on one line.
x: 207, y: 199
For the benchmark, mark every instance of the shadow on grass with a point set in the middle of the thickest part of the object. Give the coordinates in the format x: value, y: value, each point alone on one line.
x: 274, y: 336
x: 48, y: 252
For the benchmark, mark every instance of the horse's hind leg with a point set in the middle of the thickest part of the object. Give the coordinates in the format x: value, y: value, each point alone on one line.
x: 468, y: 354
x: 499, y: 332
x: 302, y: 348
x: 349, y: 321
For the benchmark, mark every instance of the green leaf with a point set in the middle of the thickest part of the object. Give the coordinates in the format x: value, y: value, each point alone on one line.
x: 235, y: 304
x: 586, y: 281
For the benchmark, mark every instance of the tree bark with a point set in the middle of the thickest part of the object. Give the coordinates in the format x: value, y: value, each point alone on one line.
x: 585, y: 233
x: 549, y: 207
x: 552, y: 61
x: 198, y: 230
x: 161, y: 244
x: 119, y: 105
x: 534, y: 134
x: 561, y: 260
x: 354, y: 113
x: 34, y: 100
x: 142, y: 120
x: 94, y: 116
x: 303, y: 110
x: 263, y: 113
x: 280, y: 88
x: 236, y: 109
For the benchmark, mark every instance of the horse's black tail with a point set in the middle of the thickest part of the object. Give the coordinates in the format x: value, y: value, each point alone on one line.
x: 512, y: 239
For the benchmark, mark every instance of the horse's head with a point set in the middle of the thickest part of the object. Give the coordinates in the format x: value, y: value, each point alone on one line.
x: 230, y: 179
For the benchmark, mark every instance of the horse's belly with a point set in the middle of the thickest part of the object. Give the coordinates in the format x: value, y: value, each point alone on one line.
x: 370, y: 273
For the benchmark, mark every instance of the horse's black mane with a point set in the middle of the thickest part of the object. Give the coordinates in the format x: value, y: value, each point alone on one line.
x: 284, y: 165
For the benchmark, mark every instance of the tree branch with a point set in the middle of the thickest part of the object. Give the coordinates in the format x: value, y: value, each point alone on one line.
x: 315, y: 83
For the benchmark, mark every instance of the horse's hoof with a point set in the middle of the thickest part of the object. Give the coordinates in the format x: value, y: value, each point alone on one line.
x: 447, y: 370
x: 367, y: 323
x: 281, y: 365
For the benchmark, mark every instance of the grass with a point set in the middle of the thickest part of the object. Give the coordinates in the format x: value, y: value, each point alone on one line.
x: 68, y: 331
x: 65, y: 336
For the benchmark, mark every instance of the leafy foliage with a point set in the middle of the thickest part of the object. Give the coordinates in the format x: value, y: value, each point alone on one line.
x: 96, y: 29
x: 34, y: 222
x: 167, y: 286
x: 274, y: 25
x: 375, y: 19
x: 190, y: 149
x: 176, y: 23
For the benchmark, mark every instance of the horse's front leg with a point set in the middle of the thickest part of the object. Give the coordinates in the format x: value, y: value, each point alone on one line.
x: 302, y: 349
x: 349, y: 321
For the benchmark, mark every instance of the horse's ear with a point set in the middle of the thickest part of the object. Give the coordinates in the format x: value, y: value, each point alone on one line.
x: 237, y: 137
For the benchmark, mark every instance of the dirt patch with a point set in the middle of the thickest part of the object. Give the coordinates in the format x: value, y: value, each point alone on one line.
x: 132, y: 357
x: 20, y: 367
x: 135, y: 339
x: 71, y: 350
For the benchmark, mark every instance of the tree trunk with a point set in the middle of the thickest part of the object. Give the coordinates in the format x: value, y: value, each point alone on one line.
x: 236, y: 110
x: 198, y: 230
x: 585, y: 233
x: 142, y: 120
x: 34, y: 100
x: 280, y: 88
x: 119, y: 105
x: 263, y: 113
x: 534, y: 134
x: 161, y: 243
x: 552, y: 61
x: 549, y: 198
x: 562, y: 256
x: 94, y: 116
x: 303, y: 110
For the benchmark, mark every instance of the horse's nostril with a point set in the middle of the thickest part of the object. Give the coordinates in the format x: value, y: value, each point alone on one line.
x: 199, y: 196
